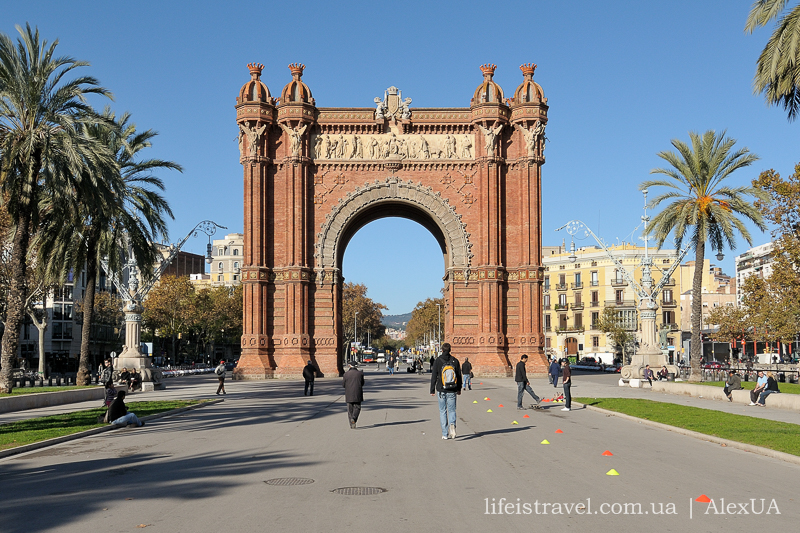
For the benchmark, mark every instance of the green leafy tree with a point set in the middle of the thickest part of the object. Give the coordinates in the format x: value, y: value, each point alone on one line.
x: 43, y: 152
x: 611, y: 323
x: 126, y: 214
x: 778, y: 67
x: 701, y: 208
x: 369, y: 313
x: 424, y: 320
x: 169, y: 309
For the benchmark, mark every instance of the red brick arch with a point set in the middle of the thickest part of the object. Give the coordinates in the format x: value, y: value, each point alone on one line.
x: 314, y: 176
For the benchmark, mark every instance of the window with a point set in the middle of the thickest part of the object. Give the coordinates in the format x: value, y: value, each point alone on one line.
x: 235, y: 277
x: 547, y: 322
x: 577, y: 299
x: 547, y: 301
x: 547, y: 342
x: 57, y: 334
x: 547, y: 283
x: 595, y: 298
x: 667, y: 296
x: 58, y: 312
x: 67, y: 330
x: 219, y: 278
x: 235, y: 251
x: 562, y: 322
x: 578, y: 320
x: 562, y: 279
x: 562, y: 301
x: 595, y: 281
x: 620, y: 295
x: 577, y: 279
x: 236, y: 264
x: 67, y: 311
x: 595, y: 342
x: 219, y: 266
x: 595, y: 319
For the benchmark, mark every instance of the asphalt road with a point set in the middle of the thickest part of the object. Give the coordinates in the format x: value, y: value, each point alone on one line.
x: 206, y: 470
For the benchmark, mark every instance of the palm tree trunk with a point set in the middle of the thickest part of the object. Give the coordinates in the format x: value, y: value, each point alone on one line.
x: 16, y: 301
x: 84, y: 378
x: 696, y: 352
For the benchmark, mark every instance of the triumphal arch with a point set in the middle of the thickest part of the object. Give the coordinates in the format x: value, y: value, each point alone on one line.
x: 313, y: 176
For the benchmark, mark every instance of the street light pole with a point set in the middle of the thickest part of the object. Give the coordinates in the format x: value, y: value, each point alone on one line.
x: 439, y: 336
x: 355, y: 331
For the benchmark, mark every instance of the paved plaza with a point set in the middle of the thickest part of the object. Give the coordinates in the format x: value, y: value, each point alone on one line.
x: 207, y: 469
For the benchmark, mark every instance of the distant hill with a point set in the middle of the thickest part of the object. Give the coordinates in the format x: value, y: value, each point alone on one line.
x: 396, y: 321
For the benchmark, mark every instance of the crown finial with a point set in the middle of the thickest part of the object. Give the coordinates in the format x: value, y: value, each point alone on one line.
x: 297, y: 70
x: 528, y: 69
x: 255, y: 70
x: 488, y: 70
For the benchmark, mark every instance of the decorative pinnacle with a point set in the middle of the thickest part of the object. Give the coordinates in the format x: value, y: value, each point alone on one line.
x: 255, y: 70
x: 297, y: 70
x: 488, y: 70
x: 528, y: 69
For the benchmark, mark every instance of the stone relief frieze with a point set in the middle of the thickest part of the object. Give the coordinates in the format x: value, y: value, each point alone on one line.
x: 379, y: 147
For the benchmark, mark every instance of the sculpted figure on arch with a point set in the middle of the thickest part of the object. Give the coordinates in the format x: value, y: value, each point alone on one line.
x: 253, y: 135
x: 296, y: 137
x: 490, y: 137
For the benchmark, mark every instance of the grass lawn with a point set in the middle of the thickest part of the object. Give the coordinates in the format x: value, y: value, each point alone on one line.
x: 788, y: 388
x: 38, y: 429
x: 34, y: 390
x: 780, y: 436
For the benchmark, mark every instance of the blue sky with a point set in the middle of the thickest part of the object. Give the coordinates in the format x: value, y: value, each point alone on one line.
x: 622, y: 80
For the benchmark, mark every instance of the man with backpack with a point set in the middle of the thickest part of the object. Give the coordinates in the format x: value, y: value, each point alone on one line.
x: 446, y: 382
x: 220, y: 371
x: 521, y: 377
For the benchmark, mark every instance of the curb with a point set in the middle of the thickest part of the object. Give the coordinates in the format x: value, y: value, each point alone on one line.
x: 781, y: 456
x: 94, y: 431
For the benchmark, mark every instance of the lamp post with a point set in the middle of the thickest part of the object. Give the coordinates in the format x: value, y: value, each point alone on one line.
x: 439, y: 336
x: 355, y: 332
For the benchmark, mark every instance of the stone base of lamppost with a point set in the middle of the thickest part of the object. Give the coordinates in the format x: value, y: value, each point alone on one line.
x: 131, y: 357
x: 635, y: 371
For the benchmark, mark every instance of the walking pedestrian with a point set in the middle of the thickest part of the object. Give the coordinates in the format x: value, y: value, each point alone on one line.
x: 353, y: 384
x: 221, y: 371
x: 466, y: 373
x: 446, y: 382
x: 309, y: 373
x: 390, y: 364
x: 554, y: 372
x: 521, y: 377
x: 567, y: 381
x: 431, y: 363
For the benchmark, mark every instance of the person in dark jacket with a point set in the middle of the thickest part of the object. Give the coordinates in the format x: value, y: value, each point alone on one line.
x: 118, y: 414
x: 353, y: 384
x: 734, y: 382
x: 521, y: 377
x: 431, y: 363
x: 309, y: 373
x: 771, y: 388
x: 446, y: 383
x: 554, y: 368
x: 466, y: 374
x: 567, y: 383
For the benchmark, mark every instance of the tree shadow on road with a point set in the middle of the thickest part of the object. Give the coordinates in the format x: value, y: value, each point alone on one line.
x: 494, y: 432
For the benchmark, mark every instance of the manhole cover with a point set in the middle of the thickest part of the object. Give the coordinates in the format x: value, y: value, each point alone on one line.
x: 286, y: 481
x: 359, y: 491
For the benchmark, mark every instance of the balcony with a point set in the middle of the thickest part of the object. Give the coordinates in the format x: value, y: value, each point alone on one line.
x: 594, y: 304
x: 561, y: 307
x: 577, y: 286
x: 669, y: 303
x: 670, y: 282
x: 595, y: 325
x: 576, y: 306
x: 546, y: 288
x: 620, y: 303
x: 595, y: 283
x: 673, y: 326
x: 570, y: 329
x: 561, y: 286
x: 547, y: 328
x: 546, y: 307
x: 618, y: 282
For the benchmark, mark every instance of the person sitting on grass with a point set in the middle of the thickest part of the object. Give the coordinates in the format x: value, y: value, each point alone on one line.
x: 772, y: 387
x: 118, y: 414
x: 734, y: 383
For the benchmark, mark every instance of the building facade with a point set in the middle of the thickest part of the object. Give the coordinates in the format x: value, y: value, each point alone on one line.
x: 756, y: 261
x: 227, y: 256
x: 576, y: 293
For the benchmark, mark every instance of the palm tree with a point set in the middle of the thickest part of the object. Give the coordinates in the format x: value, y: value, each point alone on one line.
x: 123, y: 214
x: 700, y: 204
x: 43, y: 152
x: 778, y: 66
